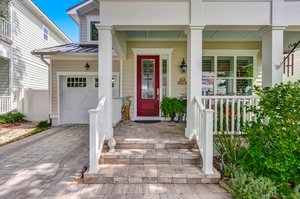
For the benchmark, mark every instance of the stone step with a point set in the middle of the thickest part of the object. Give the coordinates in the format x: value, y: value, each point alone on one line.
x: 151, y: 173
x: 155, y: 144
x: 151, y: 156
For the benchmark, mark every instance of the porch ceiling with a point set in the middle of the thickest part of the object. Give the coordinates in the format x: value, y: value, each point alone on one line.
x: 208, y: 35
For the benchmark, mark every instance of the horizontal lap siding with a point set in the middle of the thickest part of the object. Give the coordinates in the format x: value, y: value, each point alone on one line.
x: 4, y: 77
x: 29, y: 70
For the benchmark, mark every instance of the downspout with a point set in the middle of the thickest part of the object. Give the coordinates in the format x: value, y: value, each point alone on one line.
x: 49, y: 86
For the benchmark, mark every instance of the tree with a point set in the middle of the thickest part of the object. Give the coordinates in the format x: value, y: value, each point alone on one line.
x: 4, y: 9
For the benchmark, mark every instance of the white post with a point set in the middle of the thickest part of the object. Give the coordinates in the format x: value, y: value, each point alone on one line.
x: 208, y: 143
x: 194, y: 74
x: 272, y: 56
x: 105, y: 73
x: 94, y: 143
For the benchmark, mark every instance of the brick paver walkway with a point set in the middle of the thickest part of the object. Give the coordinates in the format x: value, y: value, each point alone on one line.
x: 47, y: 165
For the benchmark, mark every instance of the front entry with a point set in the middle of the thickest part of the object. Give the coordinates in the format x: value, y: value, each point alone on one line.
x: 148, y: 86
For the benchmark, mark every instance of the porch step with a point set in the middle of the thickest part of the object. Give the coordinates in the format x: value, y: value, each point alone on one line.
x: 151, y: 173
x: 151, y: 156
x: 152, y: 143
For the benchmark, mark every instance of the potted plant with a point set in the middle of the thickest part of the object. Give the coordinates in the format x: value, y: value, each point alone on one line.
x: 171, y: 106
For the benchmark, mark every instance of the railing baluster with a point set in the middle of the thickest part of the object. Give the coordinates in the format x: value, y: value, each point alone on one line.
x: 232, y: 115
x: 221, y: 115
x: 238, y: 115
x: 216, y: 116
x: 227, y: 115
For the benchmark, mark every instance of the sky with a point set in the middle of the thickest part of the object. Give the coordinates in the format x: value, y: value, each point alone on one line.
x: 56, y: 10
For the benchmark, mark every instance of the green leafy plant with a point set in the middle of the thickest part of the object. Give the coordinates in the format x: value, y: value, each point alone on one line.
x: 172, y: 106
x: 274, y: 137
x: 11, y: 118
x: 4, y: 9
x: 245, y: 185
x: 232, y: 147
x: 43, y: 124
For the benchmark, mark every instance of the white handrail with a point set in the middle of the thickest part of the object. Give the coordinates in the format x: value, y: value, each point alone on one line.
x: 5, y: 104
x: 97, y: 134
x: 229, y: 111
x: 204, y: 134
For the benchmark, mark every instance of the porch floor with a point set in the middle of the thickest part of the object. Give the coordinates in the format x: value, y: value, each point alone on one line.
x: 151, y: 153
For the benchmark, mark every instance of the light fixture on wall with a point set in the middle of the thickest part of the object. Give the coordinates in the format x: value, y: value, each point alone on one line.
x: 87, y: 66
x: 183, y: 66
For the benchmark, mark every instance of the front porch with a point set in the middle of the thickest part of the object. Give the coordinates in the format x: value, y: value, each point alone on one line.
x: 151, y: 153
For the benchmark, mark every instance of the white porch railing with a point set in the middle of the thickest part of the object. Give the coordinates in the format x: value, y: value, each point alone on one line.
x: 204, y: 134
x: 5, y: 28
x: 97, y: 134
x: 229, y: 111
x: 5, y: 104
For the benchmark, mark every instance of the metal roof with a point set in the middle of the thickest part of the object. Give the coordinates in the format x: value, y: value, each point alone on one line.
x: 68, y: 48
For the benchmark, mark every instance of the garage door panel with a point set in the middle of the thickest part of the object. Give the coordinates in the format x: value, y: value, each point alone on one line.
x: 77, y: 101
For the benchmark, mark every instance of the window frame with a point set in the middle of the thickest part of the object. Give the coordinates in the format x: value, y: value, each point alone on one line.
x: 43, y: 33
x: 90, y: 19
x: 235, y: 54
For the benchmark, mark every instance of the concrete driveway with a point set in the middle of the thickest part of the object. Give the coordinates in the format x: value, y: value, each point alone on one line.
x: 48, y: 164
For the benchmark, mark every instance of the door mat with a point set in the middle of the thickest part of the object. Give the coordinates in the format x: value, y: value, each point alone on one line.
x: 147, y: 121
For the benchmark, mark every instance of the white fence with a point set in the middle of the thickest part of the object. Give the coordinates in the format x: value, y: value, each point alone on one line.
x: 229, y: 111
x: 36, y: 104
x: 204, y: 134
x: 117, y: 104
x: 5, y: 104
x: 97, y: 134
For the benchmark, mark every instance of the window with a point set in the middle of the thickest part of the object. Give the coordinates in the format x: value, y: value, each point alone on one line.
x: 93, y: 31
x: 96, y: 82
x: 76, y: 82
x: 45, y: 33
x: 164, y: 78
x: 227, y: 75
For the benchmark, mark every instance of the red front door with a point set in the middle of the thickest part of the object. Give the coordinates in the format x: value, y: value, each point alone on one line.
x: 148, y: 85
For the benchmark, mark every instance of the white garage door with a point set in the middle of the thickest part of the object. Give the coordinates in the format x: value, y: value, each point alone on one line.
x: 78, y: 94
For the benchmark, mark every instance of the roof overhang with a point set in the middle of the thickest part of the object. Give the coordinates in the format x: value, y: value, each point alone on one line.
x: 80, y: 9
x: 43, y: 17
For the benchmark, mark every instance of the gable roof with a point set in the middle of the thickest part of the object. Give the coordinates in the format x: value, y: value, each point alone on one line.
x: 45, y: 19
x: 81, y: 8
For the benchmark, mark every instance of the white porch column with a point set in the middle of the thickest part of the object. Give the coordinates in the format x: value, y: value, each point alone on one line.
x: 272, y: 56
x: 194, y: 73
x: 105, y: 73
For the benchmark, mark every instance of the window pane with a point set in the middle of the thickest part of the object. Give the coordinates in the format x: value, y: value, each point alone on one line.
x: 225, y: 87
x: 225, y: 67
x: 208, y: 74
x: 94, y: 31
x: 207, y: 86
x: 244, y: 86
x: 164, y: 78
x: 148, y: 78
x: 244, y: 67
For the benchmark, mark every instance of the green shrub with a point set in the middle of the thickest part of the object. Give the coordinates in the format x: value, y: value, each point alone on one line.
x: 43, y: 124
x: 231, y: 147
x: 245, y: 185
x: 274, y: 137
x: 11, y: 118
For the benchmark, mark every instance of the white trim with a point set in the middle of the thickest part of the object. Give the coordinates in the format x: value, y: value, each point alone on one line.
x: 121, y: 78
x: 50, y: 88
x: 63, y: 73
x: 151, y: 51
x: 90, y: 18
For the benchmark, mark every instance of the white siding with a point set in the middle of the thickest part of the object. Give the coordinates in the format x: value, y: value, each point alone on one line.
x: 29, y: 71
x: 4, y: 77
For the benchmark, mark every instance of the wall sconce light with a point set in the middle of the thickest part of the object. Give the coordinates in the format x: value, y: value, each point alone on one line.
x: 183, y: 66
x: 87, y: 66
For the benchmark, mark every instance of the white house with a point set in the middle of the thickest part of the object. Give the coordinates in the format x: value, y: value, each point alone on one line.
x: 229, y: 46
x: 25, y: 29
